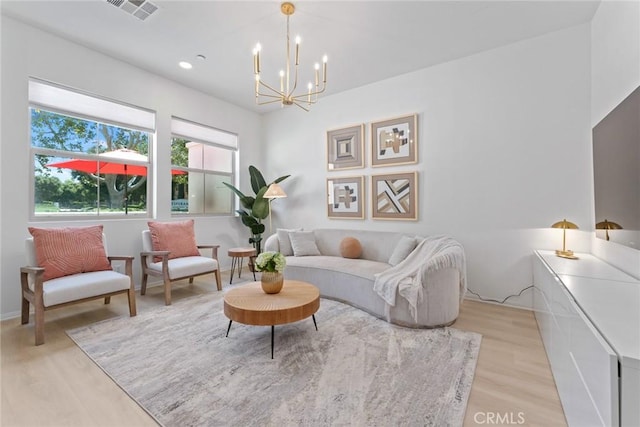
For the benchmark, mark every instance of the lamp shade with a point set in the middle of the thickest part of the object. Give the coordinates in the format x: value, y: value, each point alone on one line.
x: 608, y: 225
x: 565, y: 224
x: 274, y: 192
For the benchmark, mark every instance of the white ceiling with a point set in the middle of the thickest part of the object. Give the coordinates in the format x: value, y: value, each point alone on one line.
x: 365, y: 41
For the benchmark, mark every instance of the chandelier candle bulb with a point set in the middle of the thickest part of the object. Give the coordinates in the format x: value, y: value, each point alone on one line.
x: 255, y: 62
x: 258, y: 47
x: 324, y: 69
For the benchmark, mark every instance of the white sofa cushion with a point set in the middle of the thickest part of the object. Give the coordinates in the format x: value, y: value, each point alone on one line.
x: 402, y: 249
x: 83, y: 285
x: 303, y: 243
x: 357, y: 267
x: 187, y: 266
x: 284, y: 242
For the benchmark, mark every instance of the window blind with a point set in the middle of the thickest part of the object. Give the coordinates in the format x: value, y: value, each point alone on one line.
x: 198, y: 132
x: 60, y: 99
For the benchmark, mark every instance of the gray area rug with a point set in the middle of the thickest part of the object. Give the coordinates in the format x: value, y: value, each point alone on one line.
x: 355, y: 370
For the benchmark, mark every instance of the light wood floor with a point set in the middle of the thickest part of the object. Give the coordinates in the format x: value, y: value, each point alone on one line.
x: 55, y: 384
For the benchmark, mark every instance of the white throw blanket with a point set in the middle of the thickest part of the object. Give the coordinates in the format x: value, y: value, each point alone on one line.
x: 432, y: 254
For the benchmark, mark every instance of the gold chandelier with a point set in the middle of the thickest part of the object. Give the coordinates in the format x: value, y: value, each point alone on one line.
x: 287, y: 93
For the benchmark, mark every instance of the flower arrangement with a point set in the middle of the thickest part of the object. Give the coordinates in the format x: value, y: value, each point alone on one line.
x: 271, y: 261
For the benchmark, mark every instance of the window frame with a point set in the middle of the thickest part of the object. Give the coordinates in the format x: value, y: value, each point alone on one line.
x: 233, y: 175
x: 34, y: 150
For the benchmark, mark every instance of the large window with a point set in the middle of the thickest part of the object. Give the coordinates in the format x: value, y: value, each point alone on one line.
x: 90, y: 156
x: 202, y: 160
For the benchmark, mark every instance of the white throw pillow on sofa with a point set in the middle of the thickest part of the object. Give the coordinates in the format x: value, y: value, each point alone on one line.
x: 405, y: 246
x: 284, y: 242
x: 303, y: 243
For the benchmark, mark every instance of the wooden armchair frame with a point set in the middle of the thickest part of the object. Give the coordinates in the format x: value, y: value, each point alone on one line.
x: 35, y: 296
x: 147, y: 256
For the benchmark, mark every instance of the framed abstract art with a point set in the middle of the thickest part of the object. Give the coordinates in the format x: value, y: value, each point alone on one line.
x: 345, y: 197
x: 395, y: 196
x: 345, y: 148
x: 394, y: 141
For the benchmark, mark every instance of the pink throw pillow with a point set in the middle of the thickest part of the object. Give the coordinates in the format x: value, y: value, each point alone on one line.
x: 70, y: 250
x: 178, y: 237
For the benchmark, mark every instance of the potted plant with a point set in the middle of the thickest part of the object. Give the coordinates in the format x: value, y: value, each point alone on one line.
x: 271, y: 264
x: 256, y: 207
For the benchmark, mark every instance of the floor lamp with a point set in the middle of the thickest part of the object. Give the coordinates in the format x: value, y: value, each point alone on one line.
x: 273, y: 192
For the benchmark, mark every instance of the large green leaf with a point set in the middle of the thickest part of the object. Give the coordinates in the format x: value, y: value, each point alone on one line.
x: 249, y: 220
x: 257, y: 180
x: 282, y: 178
x: 247, y: 202
x: 235, y: 190
x: 261, y: 205
x: 257, y: 229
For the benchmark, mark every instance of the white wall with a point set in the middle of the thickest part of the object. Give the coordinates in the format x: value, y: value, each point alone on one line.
x: 27, y: 52
x: 504, y: 152
x: 615, y: 64
x: 505, y: 144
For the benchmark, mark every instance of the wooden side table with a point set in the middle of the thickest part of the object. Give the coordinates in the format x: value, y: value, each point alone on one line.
x: 237, y: 255
x: 249, y: 305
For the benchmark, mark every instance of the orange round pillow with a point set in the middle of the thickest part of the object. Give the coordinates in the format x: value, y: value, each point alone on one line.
x: 350, y: 248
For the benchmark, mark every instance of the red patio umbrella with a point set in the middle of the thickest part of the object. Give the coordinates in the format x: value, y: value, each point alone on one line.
x: 115, y: 167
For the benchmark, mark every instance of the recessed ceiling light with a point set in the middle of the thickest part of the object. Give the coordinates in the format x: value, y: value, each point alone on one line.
x: 186, y: 65
x: 201, y: 57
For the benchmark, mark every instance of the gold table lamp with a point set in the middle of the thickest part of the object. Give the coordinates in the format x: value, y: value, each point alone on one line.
x: 564, y: 224
x: 607, y: 225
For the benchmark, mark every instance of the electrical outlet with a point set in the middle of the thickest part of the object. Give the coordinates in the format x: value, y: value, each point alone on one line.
x: 117, y: 269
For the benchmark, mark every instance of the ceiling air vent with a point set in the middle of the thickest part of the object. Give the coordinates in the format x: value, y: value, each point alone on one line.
x: 141, y: 9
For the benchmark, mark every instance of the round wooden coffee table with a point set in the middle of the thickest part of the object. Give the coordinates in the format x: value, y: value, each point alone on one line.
x: 248, y: 304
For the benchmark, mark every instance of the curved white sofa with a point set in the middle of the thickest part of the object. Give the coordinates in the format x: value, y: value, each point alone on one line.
x: 352, y: 280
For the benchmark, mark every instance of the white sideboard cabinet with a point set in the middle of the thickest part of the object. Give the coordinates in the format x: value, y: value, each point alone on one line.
x: 588, y: 314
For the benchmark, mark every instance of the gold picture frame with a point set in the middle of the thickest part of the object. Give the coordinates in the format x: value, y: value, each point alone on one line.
x: 345, y: 197
x: 345, y: 148
x: 394, y: 141
x: 395, y: 196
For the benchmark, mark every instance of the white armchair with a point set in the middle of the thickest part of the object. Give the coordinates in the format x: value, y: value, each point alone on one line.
x: 159, y: 263
x: 70, y: 289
